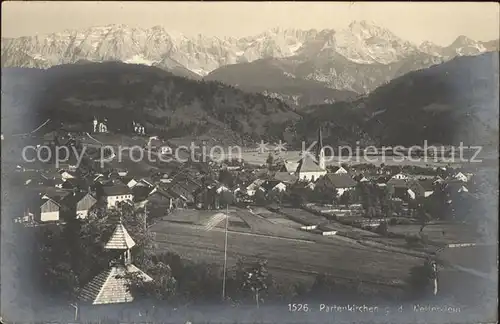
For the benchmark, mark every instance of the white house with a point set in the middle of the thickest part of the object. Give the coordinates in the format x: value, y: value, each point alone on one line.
x: 65, y: 175
x: 116, y: 193
x: 252, y: 187
x: 460, y: 176
x: 49, y: 210
x: 400, y: 176
x: 273, y: 185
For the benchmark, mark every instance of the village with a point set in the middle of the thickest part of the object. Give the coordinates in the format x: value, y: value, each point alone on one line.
x: 396, y: 216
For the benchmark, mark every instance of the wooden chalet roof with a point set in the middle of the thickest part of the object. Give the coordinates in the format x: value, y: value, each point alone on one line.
x: 120, y: 239
x: 110, y: 286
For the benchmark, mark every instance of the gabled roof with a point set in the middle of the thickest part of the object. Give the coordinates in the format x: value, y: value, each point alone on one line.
x: 254, y: 184
x: 397, y: 183
x: 383, y: 179
x: 55, y: 194
x: 110, y: 286
x: 120, y: 239
x: 308, y: 164
x: 341, y: 180
x: 427, y: 184
x: 116, y: 190
x: 285, y: 177
x: 44, y: 199
x: 270, y: 184
x: 73, y: 199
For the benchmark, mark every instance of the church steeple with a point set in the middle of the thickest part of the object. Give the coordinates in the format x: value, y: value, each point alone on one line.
x: 320, y: 152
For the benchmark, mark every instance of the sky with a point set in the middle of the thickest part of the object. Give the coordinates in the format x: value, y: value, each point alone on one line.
x: 439, y: 22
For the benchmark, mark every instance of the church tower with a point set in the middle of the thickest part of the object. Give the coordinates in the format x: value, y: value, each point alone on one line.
x: 320, y: 152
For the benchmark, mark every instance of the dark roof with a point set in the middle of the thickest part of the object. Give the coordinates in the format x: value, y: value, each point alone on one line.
x: 397, y: 183
x: 73, y: 199
x: 115, y: 190
x: 341, y: 180
x: 55, y: 194
x: 427, y: 184
x: 383, y: 179
x: 270, y: 184
x: 285, y: 177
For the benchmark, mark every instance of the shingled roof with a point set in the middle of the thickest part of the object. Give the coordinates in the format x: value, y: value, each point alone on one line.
x: 341, y: 180
x: 120, y: 240
x: 110, y: 286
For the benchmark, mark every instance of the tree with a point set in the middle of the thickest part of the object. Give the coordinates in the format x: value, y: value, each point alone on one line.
x: 254, y: 277
x: 270, y: 161
x: 163, y: 286
x: 422, y: 278
x: 345, y: 199
x: 422, y: 215
x: 386, y: 204
x: 226, y: 177
x: 260, y: 197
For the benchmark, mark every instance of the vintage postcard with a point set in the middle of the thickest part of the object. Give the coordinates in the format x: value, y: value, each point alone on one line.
x: 249, y: 162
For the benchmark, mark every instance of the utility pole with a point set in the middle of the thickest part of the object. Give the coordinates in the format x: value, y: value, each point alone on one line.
x: 225, y: 255
x: 75, y: 306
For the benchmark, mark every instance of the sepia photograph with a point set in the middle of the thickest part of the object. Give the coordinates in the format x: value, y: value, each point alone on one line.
x: 249, y: 162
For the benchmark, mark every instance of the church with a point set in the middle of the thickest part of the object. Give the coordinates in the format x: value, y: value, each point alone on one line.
x: 309, y: 168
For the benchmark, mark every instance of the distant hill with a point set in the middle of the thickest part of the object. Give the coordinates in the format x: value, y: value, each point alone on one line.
x: 275, y: 77
x: 175, y: 106
x: 447, y: 103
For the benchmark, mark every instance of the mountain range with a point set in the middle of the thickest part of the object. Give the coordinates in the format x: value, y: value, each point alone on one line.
x: 301, y: 67
x: 453, y: 102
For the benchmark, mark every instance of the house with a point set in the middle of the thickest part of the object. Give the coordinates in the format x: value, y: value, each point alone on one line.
x: 419, y: 189
x: 341, y: 182
x: 285, y: 177
x: 400, y: 176
x: 79, y: 204
x: 360, y: 178
x: 184, y: 196
x: 399, y: 187
x: 273, y: 185
x: 111, y: 285
x: 48, y: 210
x: 428, y: 186
x: 141, y: 192
x: 116, y: 193
x: 455, y: 186
x: 210, y: 194
x: 382, y: 180
x: 160, y: 202
x: 99, y: 126
x: 338, y: 170
x: 461, y: 177
x: 253, y: 186
x: 122, y: 172
x: 67, y: 174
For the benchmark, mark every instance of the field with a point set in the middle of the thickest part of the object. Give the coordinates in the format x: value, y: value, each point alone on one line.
x: 439, y: 233
x: 292, y: 254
